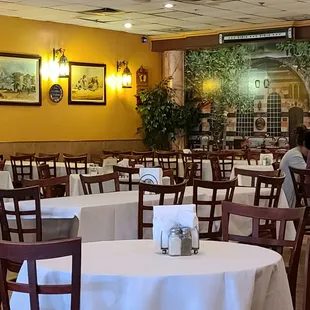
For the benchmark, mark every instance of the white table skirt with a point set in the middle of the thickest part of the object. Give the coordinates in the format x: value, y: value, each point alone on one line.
x: 5, y: 180
x: 108, y: 187
x: 114, y: 216
x: 244, y: 180
x: 126, y: 275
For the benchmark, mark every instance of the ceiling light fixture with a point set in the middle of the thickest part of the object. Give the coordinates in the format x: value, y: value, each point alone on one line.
x: 128, y: 25
x: 169, y: 5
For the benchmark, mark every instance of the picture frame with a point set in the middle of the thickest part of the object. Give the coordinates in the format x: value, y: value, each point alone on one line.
x: 87, y: 83
x: 20, y: 80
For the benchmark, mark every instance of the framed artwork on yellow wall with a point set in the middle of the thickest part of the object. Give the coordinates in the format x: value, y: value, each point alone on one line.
x: 87, y: 83
x: 20, y: 82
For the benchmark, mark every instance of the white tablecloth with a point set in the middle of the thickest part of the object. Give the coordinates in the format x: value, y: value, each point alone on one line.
x: 127, y: 275
x: 114, y: 216
x: 244, y: 180
x: 108, y: 187
x: 5, y: 180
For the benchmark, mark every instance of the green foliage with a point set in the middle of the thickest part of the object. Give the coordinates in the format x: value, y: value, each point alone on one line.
x: 162, y: 118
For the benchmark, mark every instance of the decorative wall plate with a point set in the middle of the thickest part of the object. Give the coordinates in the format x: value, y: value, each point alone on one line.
x: 260, y: 123
x: 56, y: 93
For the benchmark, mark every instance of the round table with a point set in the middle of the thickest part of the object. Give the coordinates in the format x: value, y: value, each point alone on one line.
x: 126, y: 275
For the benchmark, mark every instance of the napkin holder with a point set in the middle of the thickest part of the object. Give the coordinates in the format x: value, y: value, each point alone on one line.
x: 266, y: 159
x: 151, y: 175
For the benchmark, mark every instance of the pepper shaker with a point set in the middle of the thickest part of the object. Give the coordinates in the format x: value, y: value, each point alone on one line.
x: 186, y: 249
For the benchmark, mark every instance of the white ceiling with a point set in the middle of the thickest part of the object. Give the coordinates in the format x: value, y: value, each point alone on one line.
x: 149, y: 17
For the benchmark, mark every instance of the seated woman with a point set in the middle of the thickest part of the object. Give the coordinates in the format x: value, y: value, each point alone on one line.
x: 296, y: 158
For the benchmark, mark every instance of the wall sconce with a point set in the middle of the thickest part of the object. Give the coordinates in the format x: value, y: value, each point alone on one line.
x: 257, y: 83
x: 126, y: 76
x: 63, y: 63
x: 266, y: 83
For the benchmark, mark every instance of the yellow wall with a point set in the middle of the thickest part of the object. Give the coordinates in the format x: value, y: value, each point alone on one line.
x: 52, y: 122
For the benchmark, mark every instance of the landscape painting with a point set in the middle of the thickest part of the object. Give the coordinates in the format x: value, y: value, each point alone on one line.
x: 20, y: 79
x: 87, y: 84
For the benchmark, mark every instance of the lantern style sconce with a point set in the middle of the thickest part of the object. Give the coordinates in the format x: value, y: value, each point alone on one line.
x: 63, y: 63
x: 257, y: 83
x: 126, y: 76
x: 266, y: 83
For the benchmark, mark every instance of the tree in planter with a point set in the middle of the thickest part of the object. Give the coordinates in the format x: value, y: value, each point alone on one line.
x: 222, y: 71
x: 162, y: 118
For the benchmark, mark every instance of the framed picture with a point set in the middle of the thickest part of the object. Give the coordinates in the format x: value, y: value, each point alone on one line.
x: 20, y: 81
x: 87, y: 83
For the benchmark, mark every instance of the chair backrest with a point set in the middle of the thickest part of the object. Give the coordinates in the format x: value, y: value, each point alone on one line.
x: 24, y: 154
x: 55, y: 155
x: 44, y: 171
x: 148, y: 158
x: 87, y: 182
x: 253, y: 174
x: 1, y: 156
x: 17, y: 195
x: 169, y: 173
x: 306, y: 298
x: 132, y: 159
x: 22, y: 168
x: 190, y: 172
x: 75, y: 164
x: 278, y: 155
x: 239, y: 154
x: 226, y: 159
x: 253, y: 156
x: 2, y: 164
x: 169, y: 160
x: 227, y: 189
x: 114, y: 153
x: 196, y: 158
x: 274, y: 186
x: 48, y: 185
x: 48, y: 160
x: 301, y: 182
x: 276, y: 165
x: 216, y: 168
x: 276, y: 215
x: 178, y: 191
x: 30, y: 253
x: 128, y: 172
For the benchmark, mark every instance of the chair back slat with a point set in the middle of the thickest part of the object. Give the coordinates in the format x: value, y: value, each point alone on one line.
x: 194, y: 158
x: 75, y: 164
x: 216, y: 168
x: 226, y: 160
x: 21, y: 168
x: 169, y: 173
x: 169, y: 160
x: 87, y: 182
x: 211, y: 206
x: 127, y: 171
x: 47, y: 160
x: 2, y: 164
x: 30, y: 253
x: 162, y: 190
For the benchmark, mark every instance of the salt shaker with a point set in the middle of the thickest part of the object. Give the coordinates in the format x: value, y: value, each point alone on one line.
x: 186, y: 248
x: 175, y: 242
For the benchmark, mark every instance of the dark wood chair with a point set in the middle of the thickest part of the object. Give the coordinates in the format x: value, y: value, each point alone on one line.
x: 239, y: 154
x: 2, y: 164
x: 196, y: 158
x: 226, y: 159
x: 48, y: 160
x: 216, y: 168
x: 178, y: 190
x: 147, y: 157
x: 87, y: 182
x: 132, y: 159
x: 278, y: 155
x: 55, y: 155
x: 169, y: 174
x: 306, y: 296
x: 275, y: 215
x: 8, y: 231
x: 128, y: 172
x: 276, y: 165
x: 75, y: 164
x: 190, y: 173
x: 228, y: 189
x: 21, y: 168
x: 24, y: 154
x: 44, y: 171
x: 1, y: 156
x: 49, y: 186
x: 30, y: 253
x: 253, y: 174
x: 253, y: 155
x: 169, y: 160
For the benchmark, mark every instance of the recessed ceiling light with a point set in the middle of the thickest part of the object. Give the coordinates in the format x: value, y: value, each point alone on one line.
x: 169, y: 5
x: 128, y: 25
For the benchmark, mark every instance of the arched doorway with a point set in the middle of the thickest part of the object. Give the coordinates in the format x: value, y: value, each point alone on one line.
x: 296, y: 117
x: 274, y: 114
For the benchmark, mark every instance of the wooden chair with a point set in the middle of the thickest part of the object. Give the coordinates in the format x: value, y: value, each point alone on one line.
x: 44, y: 171
x: 190, y: 173
x: 275, y: 215
x: 9, y: 232
x: 196, y: 158
x: 169, y: 160
x: 55, y: 155
x: 129, y: 172
x: 306, y: 299
x: 132, y: 159
x: 30, y: 253
x: 278, y: 155
x: 253, y: 174
x: 239, y: 154
x: 228, y: 189
x: 169, y: 173
x: 226, y: 159
x: 49, y: 186
x: 1, y: 156
x: 50, y: 161
x: 216, y: 168
x: 178, y: 191
x: 251, y: 155
x: 148, y: 158
x: 21, y: 168
x: 24, y: 154
x: 87, y: 182
x: 75, y: 164
x: 2, y: 164
x: 276, y: 165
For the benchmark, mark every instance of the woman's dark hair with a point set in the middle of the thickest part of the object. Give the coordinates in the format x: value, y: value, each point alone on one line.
x: 303, y: 136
